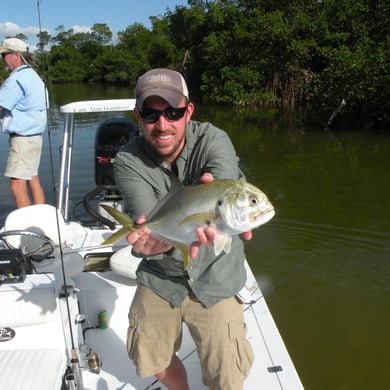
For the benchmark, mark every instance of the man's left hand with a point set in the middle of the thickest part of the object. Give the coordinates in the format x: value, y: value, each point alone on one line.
x: 207, y: 235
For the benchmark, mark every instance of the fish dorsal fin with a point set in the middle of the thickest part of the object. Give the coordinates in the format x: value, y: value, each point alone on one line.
x: 176, y: 185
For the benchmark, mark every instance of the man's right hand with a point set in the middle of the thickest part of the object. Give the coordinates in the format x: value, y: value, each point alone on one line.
x: 144, y: 243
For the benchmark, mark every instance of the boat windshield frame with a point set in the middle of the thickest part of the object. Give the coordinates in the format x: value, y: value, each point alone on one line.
x: 80, y: 107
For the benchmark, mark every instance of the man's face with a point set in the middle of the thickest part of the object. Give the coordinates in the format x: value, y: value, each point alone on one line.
x: 167, y: 137
x: 11, y: 60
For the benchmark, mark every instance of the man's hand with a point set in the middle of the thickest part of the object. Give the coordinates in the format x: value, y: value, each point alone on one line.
x: 144, y: 243
x: 207, y: 235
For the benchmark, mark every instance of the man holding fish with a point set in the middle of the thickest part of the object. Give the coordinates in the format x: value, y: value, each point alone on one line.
x: 187, y: 234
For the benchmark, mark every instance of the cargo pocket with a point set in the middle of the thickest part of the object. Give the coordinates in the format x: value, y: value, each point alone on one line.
x: 242, y: 350
x: 132, y: 334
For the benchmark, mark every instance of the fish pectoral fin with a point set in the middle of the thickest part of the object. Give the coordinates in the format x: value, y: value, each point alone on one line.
x: 200, y: 219
x: 222, y: 242
x: 120, y: 217
x: 116, y: 236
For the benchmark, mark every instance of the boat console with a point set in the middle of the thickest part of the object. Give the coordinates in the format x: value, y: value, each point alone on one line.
x: 13, y: 266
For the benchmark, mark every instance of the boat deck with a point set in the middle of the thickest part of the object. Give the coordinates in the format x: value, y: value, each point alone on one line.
x: 112, y: 293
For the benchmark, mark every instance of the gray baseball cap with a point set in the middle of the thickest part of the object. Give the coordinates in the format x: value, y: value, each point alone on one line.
x: 168, y: 84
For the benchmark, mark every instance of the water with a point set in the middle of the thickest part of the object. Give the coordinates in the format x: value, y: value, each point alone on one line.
x: 322, y: 262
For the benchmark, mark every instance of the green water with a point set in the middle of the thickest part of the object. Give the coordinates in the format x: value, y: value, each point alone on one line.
x: 323, y: 261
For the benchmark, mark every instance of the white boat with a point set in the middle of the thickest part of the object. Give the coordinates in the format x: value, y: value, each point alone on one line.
x: 63, y: 321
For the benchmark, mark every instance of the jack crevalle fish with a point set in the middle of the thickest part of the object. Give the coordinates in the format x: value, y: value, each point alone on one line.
x: 232, y: 206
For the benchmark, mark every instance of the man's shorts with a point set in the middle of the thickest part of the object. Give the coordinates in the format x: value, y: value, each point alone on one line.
x: 24, y: 155
x: 219, y: 332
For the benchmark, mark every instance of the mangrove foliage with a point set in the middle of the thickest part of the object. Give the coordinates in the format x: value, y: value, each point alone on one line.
x: 329, y: 55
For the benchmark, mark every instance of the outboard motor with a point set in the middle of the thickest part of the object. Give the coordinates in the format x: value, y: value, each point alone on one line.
x: 110, y: 137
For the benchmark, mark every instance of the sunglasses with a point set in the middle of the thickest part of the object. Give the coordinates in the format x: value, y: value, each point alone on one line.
x: 171, y: 114
x: 3, y: 55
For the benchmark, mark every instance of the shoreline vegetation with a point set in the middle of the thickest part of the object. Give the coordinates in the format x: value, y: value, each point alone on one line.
x: 330, y: 57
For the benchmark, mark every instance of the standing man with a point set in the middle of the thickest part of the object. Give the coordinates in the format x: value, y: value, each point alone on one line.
x: 23, y: 104
x: 203, y: 296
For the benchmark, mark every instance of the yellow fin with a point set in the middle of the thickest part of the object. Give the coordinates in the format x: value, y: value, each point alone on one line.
x: 120, y: 217
x: 127, y: 223
x: 185, y: 251
x: 116, y: 236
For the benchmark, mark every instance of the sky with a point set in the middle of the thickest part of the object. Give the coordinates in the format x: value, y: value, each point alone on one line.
x: 23, y: 16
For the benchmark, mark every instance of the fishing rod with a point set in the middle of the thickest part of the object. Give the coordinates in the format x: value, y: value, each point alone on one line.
x: 74, y: 379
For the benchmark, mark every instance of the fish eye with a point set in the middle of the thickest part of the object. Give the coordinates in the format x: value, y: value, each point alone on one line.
x: 253, y: 201
x: 220, y: 202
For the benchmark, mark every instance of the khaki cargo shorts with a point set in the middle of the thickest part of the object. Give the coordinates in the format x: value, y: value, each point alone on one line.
x: 24, y: 155
x: 155, y: 334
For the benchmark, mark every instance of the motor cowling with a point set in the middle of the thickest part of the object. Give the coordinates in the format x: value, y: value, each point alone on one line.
x: 110, y: 137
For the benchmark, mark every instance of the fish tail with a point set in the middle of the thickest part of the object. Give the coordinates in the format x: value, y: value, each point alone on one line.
x: 121, y: 233
x: 120, y: 217
x: 128, y: 225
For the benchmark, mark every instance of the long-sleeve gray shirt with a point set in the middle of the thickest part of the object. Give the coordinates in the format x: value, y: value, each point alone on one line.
x: 142, y: 180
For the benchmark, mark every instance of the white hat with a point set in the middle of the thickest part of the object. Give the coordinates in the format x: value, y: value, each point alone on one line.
x: 13, y: 44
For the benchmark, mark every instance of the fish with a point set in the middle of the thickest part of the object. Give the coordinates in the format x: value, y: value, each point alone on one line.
x: 232, y: 206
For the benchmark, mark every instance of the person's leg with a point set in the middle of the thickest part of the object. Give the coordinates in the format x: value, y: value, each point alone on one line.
x: 154, y: 336
x: 38, y: 196
x: 24, y: 155
x: 219, y: 333
x: 174, y: 377
x: 19, y: 191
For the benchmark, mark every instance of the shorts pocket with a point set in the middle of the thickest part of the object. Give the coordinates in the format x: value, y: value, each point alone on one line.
x: 243, y: 353
x: 132, y: 334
